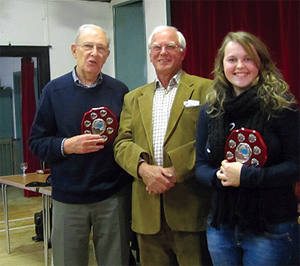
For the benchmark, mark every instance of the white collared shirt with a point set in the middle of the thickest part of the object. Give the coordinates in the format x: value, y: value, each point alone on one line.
x: 162, y: 104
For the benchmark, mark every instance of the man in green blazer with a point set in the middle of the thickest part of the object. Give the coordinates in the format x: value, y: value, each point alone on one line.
x: 156, y: 145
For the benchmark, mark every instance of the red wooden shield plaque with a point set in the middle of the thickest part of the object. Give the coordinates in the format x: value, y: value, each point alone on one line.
x: 246, y: 146
x: 102, y: 121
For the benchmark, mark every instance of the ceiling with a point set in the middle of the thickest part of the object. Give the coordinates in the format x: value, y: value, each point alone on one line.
x: 108, y: 1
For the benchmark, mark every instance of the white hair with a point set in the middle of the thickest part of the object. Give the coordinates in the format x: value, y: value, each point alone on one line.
x: 84, y: 26
x: 181, y: 39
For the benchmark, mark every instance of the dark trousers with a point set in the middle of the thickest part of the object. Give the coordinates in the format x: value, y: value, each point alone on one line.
x: 169, y: 247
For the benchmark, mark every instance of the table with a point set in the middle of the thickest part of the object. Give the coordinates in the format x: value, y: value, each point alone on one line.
x: 46, y: 194
x: 18, y: 181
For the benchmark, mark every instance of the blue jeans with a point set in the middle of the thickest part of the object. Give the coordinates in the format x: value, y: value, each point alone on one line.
x: 231, y: 247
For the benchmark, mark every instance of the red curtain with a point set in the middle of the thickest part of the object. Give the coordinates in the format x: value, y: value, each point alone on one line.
x: 28, y: 112
x: 205, y: 23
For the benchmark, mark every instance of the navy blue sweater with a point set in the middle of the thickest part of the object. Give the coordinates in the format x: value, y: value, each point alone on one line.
x: 77, y: 178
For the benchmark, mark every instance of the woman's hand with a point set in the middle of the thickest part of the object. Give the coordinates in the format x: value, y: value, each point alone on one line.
x: 230, y: 173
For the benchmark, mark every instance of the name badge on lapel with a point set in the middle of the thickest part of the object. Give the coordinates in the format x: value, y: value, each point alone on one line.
x: 191, y: 103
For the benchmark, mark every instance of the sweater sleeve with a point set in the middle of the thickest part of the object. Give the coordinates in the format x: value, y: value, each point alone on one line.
x: 43, y: 141
x: 205, y: 173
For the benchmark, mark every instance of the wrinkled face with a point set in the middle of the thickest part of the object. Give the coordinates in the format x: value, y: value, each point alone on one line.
x: 239, y: 67
x: 168, y: 59
x: 91, y: 51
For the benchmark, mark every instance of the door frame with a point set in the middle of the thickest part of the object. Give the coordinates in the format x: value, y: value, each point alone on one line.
x: 40, y: 52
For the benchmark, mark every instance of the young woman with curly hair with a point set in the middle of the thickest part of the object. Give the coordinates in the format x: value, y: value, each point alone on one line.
x: 253, y: 219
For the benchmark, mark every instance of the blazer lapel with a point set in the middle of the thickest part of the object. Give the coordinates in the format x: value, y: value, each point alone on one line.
x: 184, y: 92
x: 145, y: 102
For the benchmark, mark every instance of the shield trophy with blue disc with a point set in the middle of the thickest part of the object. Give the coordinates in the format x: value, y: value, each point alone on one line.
x: 247, y: 147
x: 102, y: 121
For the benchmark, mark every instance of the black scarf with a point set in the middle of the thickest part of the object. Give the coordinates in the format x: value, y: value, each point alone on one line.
x: 237, y: 207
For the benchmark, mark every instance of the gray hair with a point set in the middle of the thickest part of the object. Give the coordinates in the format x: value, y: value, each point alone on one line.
x: 84, y: 26
x: 157, y: 29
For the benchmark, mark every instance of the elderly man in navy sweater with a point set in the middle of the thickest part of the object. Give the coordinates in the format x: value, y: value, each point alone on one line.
x: 89, y: 190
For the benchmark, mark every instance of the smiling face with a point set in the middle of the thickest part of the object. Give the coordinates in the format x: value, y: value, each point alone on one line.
x: 90, y: 62
x: 239, y: 67
x: 166, y: 62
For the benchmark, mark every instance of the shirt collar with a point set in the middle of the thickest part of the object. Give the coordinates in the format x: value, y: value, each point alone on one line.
x: 174, y: 80
x: 78, y: 83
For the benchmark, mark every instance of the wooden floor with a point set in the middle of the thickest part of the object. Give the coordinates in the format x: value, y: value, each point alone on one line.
x: 24, y: 251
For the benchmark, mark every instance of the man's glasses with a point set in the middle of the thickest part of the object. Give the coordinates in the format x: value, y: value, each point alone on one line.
x: 168, y: 47
x: 89, y: 47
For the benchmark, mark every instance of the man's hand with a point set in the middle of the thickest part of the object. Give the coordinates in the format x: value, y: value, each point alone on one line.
x: 170, y: 174
x: 156, y: 178
x: 229, y: 173
x: 84, y: 143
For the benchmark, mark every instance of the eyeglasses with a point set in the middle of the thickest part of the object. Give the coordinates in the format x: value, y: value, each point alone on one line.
x: 168, y: 47
x: 89, y: 47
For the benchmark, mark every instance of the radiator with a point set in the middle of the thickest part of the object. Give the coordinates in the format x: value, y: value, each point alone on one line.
x: 6, y: 156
